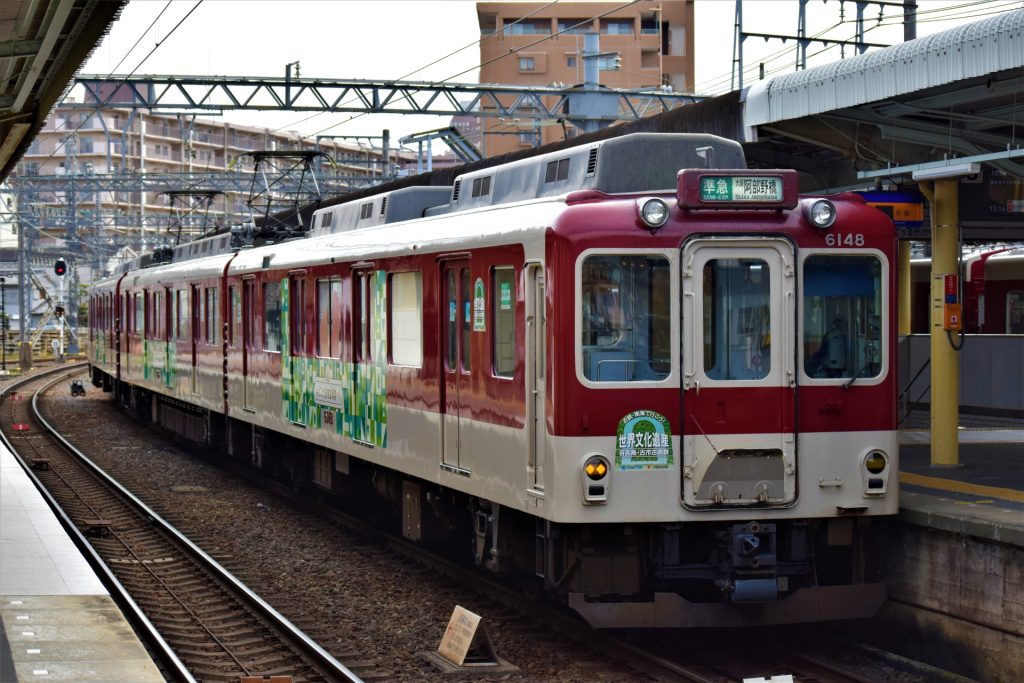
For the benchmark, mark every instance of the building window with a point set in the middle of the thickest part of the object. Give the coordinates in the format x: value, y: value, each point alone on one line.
x: 526, y: 27
x: 570, y: 61
x: 503, y: 305
x: 406, y: 319
x: 527, y: 64
x: 617, y: 27
x: 575, y: 25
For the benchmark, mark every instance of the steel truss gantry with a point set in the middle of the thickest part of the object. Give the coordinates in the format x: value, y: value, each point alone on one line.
x: 224, y: 93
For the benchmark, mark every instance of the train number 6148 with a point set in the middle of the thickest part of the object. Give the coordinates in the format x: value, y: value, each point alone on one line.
x: 844, y: 239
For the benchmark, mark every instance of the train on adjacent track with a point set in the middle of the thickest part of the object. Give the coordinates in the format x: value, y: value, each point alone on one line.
x: 634, y: 374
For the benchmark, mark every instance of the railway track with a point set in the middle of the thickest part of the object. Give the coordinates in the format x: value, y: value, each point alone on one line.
x: 217, y: 627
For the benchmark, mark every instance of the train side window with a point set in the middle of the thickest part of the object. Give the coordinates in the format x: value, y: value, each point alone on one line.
x: 405, y: 319
x: 452, y: 307
x: 235, y: 313
x: 182, y: 314
x: 363, y: 299
x: 272, y: 317
x: 328, y: 323
x: 140, y: 313
x: 212, y: 315
x: 466, y: 293
x: 842, y: 321
x: 297, y: 315
x: 737, y: 318
x: 626, y: 317
x: 1015, y: 312
x: 504, y: 323
x: 158, y: 314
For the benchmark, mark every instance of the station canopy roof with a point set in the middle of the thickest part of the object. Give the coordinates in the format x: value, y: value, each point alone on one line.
x: 42, y: 45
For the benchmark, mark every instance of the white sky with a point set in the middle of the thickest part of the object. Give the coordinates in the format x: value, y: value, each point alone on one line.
x: 390, y: 40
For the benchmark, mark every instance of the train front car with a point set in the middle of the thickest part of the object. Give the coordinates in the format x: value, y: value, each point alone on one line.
x: 722, y: 429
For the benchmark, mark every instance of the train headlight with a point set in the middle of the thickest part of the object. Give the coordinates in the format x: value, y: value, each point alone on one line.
x: 821, y: 214
x: 875, y: 475
x: 653, y: 212
x: 595, y: 479
x: 875, y: 462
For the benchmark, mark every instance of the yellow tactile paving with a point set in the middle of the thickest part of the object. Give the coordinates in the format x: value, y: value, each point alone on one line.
x: 955, y: 486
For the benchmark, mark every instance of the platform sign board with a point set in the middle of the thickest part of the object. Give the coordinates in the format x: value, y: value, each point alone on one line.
x: 904, y: 207
x: 992, y: 205
x: 458, y: 637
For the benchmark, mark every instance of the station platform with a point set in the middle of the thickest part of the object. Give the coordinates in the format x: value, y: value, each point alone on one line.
x: 57, y: 621
x: 983, y: 497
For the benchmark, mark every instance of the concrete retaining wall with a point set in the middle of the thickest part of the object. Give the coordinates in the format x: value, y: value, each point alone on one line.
x: 964, y: 593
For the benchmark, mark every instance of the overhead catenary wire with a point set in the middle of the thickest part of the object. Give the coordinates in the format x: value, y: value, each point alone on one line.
x: 979, y: 9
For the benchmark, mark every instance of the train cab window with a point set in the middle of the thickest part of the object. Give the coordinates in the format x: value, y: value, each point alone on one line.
x: 842, y: 318
x: 211, y: 312
x: 626, y: 321
x: 406, y: 319
x: 272, y: 317
x: 504, y: 323
x: 737, y: 315
x: 328, y: 318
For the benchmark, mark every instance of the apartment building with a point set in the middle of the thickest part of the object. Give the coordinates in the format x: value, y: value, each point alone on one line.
x: 647, y: 45
x: 120, y: 143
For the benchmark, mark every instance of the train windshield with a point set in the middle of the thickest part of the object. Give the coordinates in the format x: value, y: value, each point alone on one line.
x: 842, y: 316
x: 626, y: 321
x: 737, y: 337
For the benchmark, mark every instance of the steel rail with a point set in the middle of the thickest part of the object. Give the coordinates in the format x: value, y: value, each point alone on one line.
x: 309, y: 647
x: 118, y: 593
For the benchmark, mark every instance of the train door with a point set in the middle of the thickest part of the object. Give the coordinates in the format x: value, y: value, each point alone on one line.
x: 196, y: 317
x: 248, y: 340
x: 455, y: 366
x: 536, y: 331
x: 739, y: 382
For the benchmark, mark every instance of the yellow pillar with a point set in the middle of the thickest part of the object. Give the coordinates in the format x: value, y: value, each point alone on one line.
x: 903, y: 282
x: 945, y: 365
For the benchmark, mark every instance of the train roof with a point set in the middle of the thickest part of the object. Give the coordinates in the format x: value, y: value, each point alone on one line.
x: 436, y: 234
x: 635, y: 163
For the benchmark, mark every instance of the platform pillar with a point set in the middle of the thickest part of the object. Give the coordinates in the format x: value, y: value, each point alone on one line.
x: 945, y: 363
x: 904, y: 284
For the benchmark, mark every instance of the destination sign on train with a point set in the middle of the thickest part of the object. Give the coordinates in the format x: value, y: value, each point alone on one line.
x: 741, y: 189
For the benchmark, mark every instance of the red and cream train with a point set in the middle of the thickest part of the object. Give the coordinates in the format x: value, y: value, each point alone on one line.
x: 655, y: 383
